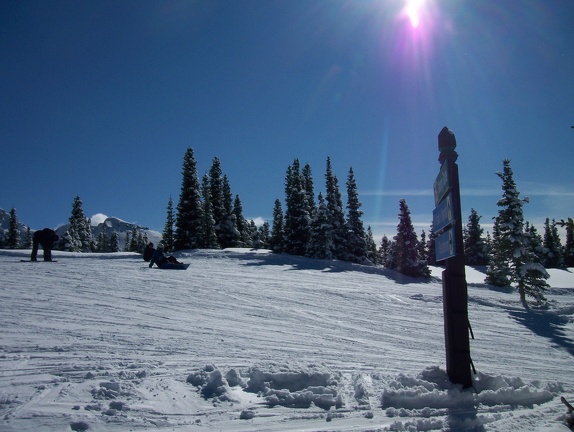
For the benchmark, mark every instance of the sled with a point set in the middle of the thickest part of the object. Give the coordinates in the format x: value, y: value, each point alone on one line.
x: 40, y: 260
x: 174, y: 266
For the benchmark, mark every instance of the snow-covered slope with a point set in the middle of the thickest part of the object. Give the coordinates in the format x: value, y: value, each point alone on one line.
x: 246, y: 340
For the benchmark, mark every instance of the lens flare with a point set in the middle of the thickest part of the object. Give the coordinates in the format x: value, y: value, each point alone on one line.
x: 412, y: 11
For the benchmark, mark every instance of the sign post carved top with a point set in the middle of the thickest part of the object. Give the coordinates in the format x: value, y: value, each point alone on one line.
x: 449, y: 247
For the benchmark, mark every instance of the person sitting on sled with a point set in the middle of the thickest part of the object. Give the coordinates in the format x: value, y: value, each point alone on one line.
x: 159, y: 257
x: 45, y: 238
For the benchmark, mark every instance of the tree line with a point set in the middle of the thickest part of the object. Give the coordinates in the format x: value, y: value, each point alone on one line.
x: 208, y: 216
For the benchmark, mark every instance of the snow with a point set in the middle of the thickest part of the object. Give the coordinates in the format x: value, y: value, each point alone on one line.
x: 248, y: 340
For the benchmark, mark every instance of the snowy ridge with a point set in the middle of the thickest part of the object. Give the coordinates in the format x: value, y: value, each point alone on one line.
x: 247, y: 340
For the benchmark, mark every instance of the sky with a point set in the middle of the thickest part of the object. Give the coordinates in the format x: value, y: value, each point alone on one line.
x: 101, y: 100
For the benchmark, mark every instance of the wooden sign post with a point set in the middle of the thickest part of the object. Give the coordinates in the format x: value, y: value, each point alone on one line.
x: 447, y: 224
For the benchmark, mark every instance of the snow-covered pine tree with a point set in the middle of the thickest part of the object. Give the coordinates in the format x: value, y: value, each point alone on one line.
x: 209, y: 234
x: 277, y: 239
x: 372, y: 253
x: 168, y: 235
x: 553, y: 250
x: 422, y: 247
x: 78, y: 237
x: 102, y: 241
x: 114, y: 242
x: 216, y: 193
x: 498, y: 271
x: 386, y: 253
x: 127, y: 242
x: 356, y: 245
x: 297, y: 219
x: 27, y: 239
x: 407, y: 260
x: 255, y: 241
x: 534, y: 241
x: 569, y: 246
x: 512, y: 256
x: 13, y: 237
x: 228, y: 234
x: 336, y: 214
x: 188, y: 223
x: 133, y: 241
x: 264, y: 235
x: 431, y: 249
x: 244, y: 227
x: 321, y: 242
x: 474, y: 247
x: 307, y: 181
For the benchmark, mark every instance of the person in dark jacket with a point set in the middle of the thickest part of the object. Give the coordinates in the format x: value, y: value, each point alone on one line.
x: 159, y: 257
x: 148, y: 252
x: 45, y: 238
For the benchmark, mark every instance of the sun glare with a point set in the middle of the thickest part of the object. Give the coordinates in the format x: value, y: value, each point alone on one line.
x: 412, y: 10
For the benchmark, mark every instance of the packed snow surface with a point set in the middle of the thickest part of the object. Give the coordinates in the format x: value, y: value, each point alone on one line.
x: 252, y: 341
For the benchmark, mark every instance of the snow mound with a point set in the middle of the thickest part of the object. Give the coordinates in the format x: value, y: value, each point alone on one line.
x: 283, y: 386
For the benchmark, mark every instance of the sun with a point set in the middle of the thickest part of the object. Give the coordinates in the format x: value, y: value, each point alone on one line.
x: 412, y: 10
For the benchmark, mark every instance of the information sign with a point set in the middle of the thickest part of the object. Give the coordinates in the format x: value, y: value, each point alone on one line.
x: 443, y: 214
x: 445, y: 246
x: 441, y: 184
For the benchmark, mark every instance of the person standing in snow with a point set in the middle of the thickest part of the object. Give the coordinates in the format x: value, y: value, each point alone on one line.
x: 45, y: 238
x: 159, y: 257
x: 148, y: 252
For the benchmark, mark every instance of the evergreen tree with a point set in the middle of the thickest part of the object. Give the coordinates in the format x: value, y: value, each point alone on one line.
x: 27, y: 239
x: 552, y: 247
x: 356, y: 245
x: 78, y: 237
x: 431, y: 249
x: 372, y: 253
x: 336, y: 215
x: 264, y: 235
x: 297, y: 219
x: 189, y: 230
x: 227, y: 233
x: 168, y: 235
x: 386, y: 253
x: 277, y: 239
x: 255, y: 241
x: 321, y: 242
x: 307, y: 181
x: 127, y: 242
x: 244, y: 227
x: 498, y: 272
x: 102, y: 240
x: 220, y: 215
x: 114, y: 243
x: 512, y: 258
x: 474, y: 247
x: 406, y: 258
x: 133, y: 241
x: 13, y: 238
x: 535, y: 242
x: 569, y: 246
x: 422, y: 247
x: 209, y: 234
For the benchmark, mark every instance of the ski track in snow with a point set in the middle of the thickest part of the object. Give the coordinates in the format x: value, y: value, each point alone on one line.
x: 103, y: 342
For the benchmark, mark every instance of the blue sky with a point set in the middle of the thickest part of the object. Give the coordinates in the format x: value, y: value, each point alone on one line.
x: 101, y: 99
